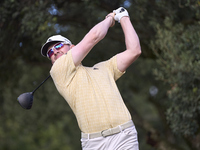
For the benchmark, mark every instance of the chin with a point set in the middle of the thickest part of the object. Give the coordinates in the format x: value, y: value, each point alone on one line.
x: 56, y: 58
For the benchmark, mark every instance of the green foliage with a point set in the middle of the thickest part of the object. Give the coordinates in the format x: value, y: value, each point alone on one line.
x: 178, y: 50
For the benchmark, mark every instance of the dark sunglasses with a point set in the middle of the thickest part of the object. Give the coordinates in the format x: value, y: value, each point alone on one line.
x: 57, y: 46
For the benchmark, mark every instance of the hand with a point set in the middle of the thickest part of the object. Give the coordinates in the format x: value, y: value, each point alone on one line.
x: 119, y: 13
x: 113, y: 20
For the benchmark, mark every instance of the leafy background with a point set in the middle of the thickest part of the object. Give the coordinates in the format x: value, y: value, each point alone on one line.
x: 161, y: 89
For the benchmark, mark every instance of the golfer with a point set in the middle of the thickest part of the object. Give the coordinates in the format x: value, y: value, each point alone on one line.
x: 91, y: 92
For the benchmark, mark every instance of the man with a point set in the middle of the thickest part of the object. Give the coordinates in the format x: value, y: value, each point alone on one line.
x: 91, y: 92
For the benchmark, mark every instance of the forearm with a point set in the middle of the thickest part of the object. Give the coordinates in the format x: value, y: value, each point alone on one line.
x: 131, y: 37
x: 99, y: 31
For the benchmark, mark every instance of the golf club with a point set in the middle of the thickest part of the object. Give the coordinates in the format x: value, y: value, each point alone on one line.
x: 26, y: 99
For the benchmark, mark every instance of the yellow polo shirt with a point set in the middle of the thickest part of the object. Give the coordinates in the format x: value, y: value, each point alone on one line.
x: 91, y: 92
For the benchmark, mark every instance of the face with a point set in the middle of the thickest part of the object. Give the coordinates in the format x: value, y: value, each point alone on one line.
x: 58, y: 53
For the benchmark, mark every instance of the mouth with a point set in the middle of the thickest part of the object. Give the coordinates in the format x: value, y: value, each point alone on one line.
x: 58, y: 55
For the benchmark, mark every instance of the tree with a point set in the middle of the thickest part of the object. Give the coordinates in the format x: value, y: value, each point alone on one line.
x: 177, y: 47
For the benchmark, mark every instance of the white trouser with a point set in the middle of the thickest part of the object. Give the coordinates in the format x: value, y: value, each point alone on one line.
x: 125, y: 140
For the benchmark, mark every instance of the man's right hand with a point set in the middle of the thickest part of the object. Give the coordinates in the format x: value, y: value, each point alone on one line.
x: 113, y: 18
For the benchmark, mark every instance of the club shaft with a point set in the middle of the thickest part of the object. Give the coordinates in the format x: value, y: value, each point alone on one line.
x: 41, y: 83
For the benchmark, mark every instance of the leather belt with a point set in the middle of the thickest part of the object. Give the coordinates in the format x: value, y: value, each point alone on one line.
x: 108, y: 132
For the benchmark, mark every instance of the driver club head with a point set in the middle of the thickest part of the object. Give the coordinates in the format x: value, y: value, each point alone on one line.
x: 26, y: 100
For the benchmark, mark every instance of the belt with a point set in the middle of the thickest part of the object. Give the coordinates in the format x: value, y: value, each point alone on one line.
x: 108, y: 132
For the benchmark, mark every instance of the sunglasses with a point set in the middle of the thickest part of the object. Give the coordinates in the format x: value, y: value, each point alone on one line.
x: 57, y: 46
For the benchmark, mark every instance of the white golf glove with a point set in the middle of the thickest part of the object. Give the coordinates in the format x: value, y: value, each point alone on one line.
x: 120, y: 12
